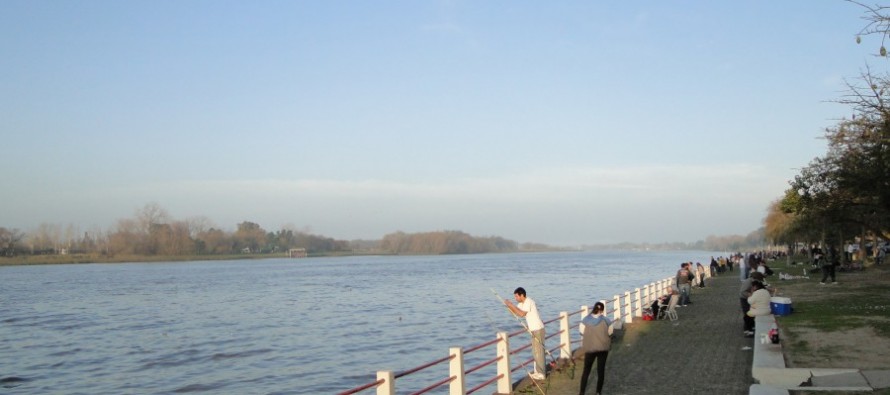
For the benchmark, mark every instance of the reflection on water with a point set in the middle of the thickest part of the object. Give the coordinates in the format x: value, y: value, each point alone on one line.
x: 280, y: 326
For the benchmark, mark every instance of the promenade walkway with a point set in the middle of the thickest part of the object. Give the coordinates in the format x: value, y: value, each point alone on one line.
x: 703, y: 352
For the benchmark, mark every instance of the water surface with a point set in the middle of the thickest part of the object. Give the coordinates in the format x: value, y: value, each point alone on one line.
x: 281, y: 326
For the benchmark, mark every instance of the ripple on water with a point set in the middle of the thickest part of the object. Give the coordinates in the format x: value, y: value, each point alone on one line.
x: 243, y: 354
x: 12, y: 381
x: 65, y: 352
x: 197, y: 388
x: 172, y: 360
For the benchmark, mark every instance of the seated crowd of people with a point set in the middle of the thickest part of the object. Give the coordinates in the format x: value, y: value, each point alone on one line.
x: 754, y: 294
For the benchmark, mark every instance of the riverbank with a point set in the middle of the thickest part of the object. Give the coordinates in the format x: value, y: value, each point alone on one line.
x: 98, y: 258
x: 702, y: 352
x: 846, y: 325
x: 58, y: 259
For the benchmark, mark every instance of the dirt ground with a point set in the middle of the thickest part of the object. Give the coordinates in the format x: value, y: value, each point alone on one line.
x: 861, y: 347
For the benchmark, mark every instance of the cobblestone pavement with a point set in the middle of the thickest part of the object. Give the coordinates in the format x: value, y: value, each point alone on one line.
x: 703, y: 352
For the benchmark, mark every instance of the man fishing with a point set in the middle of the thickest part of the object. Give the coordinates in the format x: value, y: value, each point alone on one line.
x: 527, y: 308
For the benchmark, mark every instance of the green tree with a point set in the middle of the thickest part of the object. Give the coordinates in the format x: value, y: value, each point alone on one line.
x: 249, y: 237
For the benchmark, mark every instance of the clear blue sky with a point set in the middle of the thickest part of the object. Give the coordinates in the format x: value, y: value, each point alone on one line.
x: 565, y: 123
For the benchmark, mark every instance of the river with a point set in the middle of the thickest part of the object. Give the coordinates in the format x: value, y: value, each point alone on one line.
x: 281, y: 326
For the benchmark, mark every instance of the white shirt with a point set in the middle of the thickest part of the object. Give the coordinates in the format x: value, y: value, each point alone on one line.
x: 532, y: 318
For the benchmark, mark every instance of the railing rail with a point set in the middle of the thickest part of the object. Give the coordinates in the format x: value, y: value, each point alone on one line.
x: 623, y: 307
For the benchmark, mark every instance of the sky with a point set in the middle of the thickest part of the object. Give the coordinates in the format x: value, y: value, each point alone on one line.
x: 567, y: 123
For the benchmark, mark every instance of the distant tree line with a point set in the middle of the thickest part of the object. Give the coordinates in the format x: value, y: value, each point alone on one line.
x: 151, y: 232
x: 730, y: 243
x: 444, y: 242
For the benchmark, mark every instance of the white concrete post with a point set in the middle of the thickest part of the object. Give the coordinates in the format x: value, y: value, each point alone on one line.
x: 638, y: 303
x: 456, y: 370
x: 628, y: 313
x: 653, y: 287
x: 616, y: 315
x: 505, y: 385
x: 565, y: 338
x: 389, y: 382
x: 647, y: 292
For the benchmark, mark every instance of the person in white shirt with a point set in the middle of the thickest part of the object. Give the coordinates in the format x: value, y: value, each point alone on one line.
x: 759, y: 300
x: 527, y: 308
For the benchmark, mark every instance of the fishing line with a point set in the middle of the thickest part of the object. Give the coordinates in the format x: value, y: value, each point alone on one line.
x: 519, y: 320
x: 527, y: 372
x: 553, y: 360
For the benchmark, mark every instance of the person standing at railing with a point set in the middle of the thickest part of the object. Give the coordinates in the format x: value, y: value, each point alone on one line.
x: 700, y: 272
x: 527, y: 308
x: 684, y: 283
x: 595, y: 343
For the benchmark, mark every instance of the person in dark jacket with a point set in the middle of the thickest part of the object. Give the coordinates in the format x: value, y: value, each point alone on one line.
x: 684, y: 283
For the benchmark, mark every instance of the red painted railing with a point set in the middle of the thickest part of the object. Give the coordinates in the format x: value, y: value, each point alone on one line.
x: 632, y: 307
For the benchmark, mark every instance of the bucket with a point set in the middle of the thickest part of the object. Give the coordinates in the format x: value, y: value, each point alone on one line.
x: 780, y: 306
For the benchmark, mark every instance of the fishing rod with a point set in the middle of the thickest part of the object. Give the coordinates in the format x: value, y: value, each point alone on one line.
x: 535, y: 382
x: 524, y: 326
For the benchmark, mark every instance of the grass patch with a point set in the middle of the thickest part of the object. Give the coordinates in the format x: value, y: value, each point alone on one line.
x: 843, y: 325
x: 860, y: 300
x: 799, y: 345
x: 854, y: 308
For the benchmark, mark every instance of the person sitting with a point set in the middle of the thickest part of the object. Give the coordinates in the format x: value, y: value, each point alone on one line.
x: 759, y: 302
x: 664, y: 302
x: 745, y: 292
x: 654, y: 308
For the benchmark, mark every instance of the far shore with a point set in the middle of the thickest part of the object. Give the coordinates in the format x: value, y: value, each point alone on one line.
x: 94, y: 258
x: 57, y: 259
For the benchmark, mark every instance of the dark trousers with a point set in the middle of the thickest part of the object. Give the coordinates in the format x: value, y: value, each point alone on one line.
x: 827, y: 270
x: 749, y: 321
x: 600, y: 357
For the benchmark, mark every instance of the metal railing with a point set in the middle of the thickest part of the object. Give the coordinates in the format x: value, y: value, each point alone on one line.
x: 621, y: 307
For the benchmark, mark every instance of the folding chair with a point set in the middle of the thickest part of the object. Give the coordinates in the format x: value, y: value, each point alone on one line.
x: 669, y: 310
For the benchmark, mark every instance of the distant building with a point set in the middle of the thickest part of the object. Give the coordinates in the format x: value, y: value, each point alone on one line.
x: 297, y: 253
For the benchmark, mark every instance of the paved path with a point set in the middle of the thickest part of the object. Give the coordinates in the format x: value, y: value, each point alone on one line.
x: 703, y: 352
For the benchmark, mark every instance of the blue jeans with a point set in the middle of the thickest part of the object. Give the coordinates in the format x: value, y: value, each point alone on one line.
x: 684, y: 293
